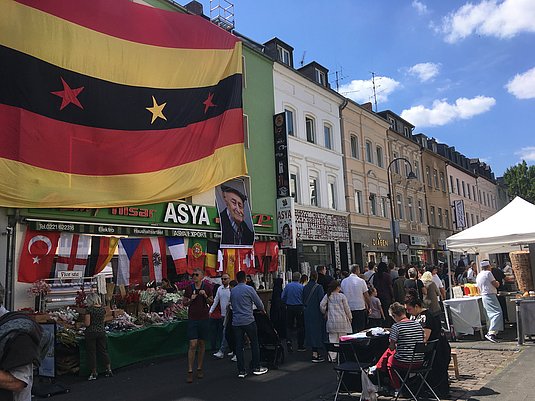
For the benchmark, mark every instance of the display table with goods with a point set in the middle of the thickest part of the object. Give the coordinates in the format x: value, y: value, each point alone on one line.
x: 465, y: 315
x: 131, y: 338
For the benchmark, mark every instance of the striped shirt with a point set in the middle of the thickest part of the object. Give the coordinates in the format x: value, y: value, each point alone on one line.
x: 406, y: 334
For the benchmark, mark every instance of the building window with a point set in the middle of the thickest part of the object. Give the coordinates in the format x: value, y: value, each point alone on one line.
x: 407, y: 132
x: 354, y: 147
x: 358, y: 201
x: 468, y: 190
x: 289, y: 122
x: 320, y: 77
x: 396, y: 165
x: 479, y: 195
x: 331, y: 193
x: 313, y: 187
x: 432, y: 215
x: 379, y: 151
x: 392, y: 123
x: 310, y: 129
x: 373, y: 204
x: 246, y: 131
x: 458, y: 187
x: 464, y: 190
x: 411, y: 210
x: 294, y: 193
x: 369, y: 155
x: 452, y: 190
x: 442, y: 182
x: 416, y: 166
x: 428, y: 176
x: 384, y: 203
x: 468, y: 220
x: 473, y: 220
x: 327, y: 133
x: 447, y: 218
x: 421, y: 212
x: 488, y: 200
x: 284, y: 55
x: 435, y: 177
x: 474, y: 192
x: 440, y: 217
x: 399, y: 202
x: 477, y: 219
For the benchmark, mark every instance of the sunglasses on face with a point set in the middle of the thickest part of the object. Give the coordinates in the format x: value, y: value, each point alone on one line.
x: 195, y: 274
x: 224, y: 279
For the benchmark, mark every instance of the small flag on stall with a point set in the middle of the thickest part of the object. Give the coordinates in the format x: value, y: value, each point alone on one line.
x: 273, y: 251
x: 156, y: 252
x: 247, y: 264
x: 210, y: 264
x: 229, y: 262
x: 196, y: 254
x: 73, y: 251
x: 260, y: 253
x: 177, y: 250
x: 102, y: 250
x: 130, y: 262
x: 37, y: 256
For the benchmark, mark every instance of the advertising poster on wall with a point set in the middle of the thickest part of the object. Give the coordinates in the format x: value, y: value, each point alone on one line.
x: 234, y: 215
x: 286, y: 222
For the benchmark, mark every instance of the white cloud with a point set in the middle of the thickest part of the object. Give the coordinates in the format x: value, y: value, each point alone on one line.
x: 522, y: 86
x: 425, y: 71
x: 503, y: 19
x: 443, y: 112
x: 527, y: 153
x: 361, y: 91
x: 420, y: 7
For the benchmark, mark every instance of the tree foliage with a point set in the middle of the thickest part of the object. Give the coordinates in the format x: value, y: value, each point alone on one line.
x: 520, y: 180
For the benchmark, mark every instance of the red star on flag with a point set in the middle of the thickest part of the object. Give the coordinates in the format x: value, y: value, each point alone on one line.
x: 208, y: 102
x: 68, y: 95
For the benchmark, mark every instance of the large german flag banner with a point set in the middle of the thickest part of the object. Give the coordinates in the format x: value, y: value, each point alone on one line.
x: 108, y: 103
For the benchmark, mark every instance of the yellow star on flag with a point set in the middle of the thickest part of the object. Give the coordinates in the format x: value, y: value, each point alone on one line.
x: 156, y: 110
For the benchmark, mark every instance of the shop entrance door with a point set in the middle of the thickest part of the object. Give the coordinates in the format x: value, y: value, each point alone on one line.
x: 344, y: 262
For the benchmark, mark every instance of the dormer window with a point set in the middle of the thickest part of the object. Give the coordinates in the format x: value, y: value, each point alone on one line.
x: 320, y: 77
x: 284, y: 55
x: 407, y: 132
x: 392, y: 123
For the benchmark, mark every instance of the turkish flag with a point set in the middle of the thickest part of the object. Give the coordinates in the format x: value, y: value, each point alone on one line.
x: 37, y: 255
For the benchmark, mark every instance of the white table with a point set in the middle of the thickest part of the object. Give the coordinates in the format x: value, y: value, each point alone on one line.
x: 466, y: 315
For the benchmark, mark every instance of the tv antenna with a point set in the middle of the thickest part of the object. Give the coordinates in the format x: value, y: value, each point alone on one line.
x: 302, y: 62
x: 374, y: 91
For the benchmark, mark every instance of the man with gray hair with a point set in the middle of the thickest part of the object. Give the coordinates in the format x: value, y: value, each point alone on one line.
x: 20, y: 346
x: 488, y: 287
x: 356, y: 291
x: 292, y: 297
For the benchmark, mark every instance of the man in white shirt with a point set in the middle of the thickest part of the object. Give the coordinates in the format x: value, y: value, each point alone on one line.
x: 356, y: 291
x: 438, y: 282
x: 371, y: 270
x: 222, y: 298
x: 488, y: 287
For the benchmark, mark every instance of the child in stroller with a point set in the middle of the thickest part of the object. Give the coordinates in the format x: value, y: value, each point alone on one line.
x: 271, y: 349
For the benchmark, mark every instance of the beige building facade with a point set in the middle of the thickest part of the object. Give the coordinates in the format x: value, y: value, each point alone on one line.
x: 366, y: 158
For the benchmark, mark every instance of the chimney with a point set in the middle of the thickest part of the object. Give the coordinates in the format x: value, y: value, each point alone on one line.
x: 194, y: 7
x: 368, y: 106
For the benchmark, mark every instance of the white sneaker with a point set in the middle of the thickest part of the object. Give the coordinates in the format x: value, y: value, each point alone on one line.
x: 219, y: 355
x: 260, y: 371
x: 234, y: 359
x: 230, y: 354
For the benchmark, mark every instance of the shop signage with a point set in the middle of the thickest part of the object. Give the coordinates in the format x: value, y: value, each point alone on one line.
x: 286, y: 222
x: 418, y: 240
x: 321, y: 226
x: 282, y: 173
x: 178, y: 215
x: 379, y: 242
x: 125, y: 230
x: 70, y: 274
x: 402, y: 247
x: 458, y: 209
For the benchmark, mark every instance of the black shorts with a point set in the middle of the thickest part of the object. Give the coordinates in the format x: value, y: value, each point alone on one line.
x: 199, y: 329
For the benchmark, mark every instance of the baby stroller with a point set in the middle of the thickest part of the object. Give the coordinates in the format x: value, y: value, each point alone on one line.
x: 271, y: 349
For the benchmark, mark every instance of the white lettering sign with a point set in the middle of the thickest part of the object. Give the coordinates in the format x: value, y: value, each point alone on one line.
x: 185, y: 213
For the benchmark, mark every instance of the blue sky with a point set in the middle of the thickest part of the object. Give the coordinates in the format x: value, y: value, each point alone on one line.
x: 461, y: 72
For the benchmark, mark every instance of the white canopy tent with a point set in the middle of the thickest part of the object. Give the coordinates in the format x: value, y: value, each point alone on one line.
x: 505, y: 231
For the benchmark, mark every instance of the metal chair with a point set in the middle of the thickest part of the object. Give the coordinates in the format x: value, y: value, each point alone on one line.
x: 349, y: 363
x: 418, y: 370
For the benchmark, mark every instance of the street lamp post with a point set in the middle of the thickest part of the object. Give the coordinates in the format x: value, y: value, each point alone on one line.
x: 410, y: 176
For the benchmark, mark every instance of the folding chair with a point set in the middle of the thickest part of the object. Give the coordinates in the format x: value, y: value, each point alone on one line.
x: 416, y: 370
x: 349, y: 363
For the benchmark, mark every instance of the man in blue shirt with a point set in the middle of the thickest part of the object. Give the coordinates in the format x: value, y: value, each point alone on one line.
x: 292, y: 297
x: 242, y: 298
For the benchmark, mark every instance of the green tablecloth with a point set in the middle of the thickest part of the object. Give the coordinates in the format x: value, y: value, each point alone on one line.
x: 126, y: 348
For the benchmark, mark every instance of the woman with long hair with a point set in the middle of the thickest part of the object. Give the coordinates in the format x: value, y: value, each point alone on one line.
x: 335, y: 307
x: 382, y: 282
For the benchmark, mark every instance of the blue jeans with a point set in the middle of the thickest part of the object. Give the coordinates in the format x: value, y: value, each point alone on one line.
x: 251, y: 331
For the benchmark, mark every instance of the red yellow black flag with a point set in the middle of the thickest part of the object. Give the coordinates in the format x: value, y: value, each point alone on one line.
x: 110, y: 103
